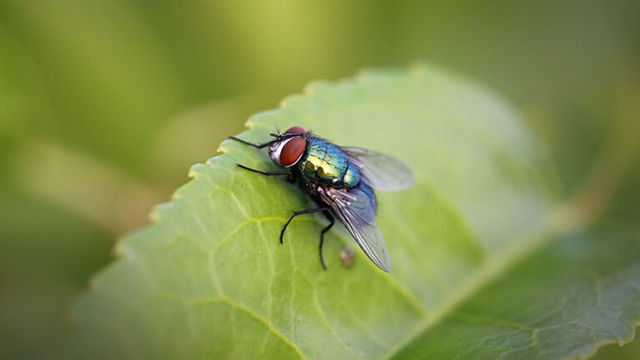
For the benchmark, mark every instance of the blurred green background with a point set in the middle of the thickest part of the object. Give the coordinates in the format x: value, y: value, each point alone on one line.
x: 104, y: 105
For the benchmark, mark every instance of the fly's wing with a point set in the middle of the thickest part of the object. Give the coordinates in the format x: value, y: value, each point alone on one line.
x: 380, y: 171
x: 356, y: 210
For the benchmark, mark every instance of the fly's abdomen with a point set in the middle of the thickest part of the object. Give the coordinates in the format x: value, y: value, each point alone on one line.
x: 325, y: 162
x: 351, y: 177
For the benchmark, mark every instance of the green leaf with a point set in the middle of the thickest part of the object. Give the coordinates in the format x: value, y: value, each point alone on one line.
x: 485, y: 262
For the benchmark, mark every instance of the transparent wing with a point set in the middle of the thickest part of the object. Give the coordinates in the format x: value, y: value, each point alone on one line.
x: 380, y: 171
x: 356, y: 210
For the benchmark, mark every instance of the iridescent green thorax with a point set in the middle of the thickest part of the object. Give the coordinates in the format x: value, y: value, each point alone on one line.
x: 326, y: 162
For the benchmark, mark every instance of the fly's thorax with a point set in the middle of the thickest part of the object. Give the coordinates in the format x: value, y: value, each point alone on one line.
x: 326, y: 162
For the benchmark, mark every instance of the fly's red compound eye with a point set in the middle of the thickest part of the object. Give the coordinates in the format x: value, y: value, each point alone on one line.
x: 292, y: 151
x: 296, y: 130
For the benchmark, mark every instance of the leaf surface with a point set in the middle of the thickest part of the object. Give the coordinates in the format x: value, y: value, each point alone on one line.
x: 485, y: 265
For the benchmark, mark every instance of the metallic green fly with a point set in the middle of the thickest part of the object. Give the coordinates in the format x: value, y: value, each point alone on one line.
x: 340, y: 180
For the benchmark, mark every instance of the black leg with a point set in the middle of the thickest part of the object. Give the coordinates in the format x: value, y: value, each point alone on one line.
x: 257, y: 146
x: 265, y: 173
x: 328, y: 215
x: 292, y: 178
x: 296, y: 213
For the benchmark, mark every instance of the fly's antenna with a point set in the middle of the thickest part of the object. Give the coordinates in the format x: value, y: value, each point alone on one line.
x: 284, y: 136
x: 277, y: 134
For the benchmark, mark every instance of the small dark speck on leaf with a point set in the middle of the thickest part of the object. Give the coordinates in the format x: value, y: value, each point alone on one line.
x: 347, y: 256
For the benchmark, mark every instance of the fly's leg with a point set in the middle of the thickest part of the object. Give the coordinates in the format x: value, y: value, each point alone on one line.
x: 292, y: 178
x: 265, y: 173
x: 257, y: 146
x: 296, y: 213
x: 328, y: 215
x: 260, y: 146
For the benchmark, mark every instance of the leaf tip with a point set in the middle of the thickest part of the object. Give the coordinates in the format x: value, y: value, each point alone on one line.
x: 362, y: 76
x: 154, y: 215
x: 417, y: 66
x: 119, y: 250
x: 307, y: 90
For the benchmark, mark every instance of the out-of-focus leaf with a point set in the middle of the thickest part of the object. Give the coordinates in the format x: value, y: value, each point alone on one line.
x: 46, y: 255
x: 106, y: 79
x: 484, y: 262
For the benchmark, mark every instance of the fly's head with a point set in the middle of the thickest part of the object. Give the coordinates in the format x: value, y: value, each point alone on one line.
x: 289, y: 147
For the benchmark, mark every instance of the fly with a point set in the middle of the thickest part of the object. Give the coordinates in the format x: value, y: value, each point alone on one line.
x: 340, y: 180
